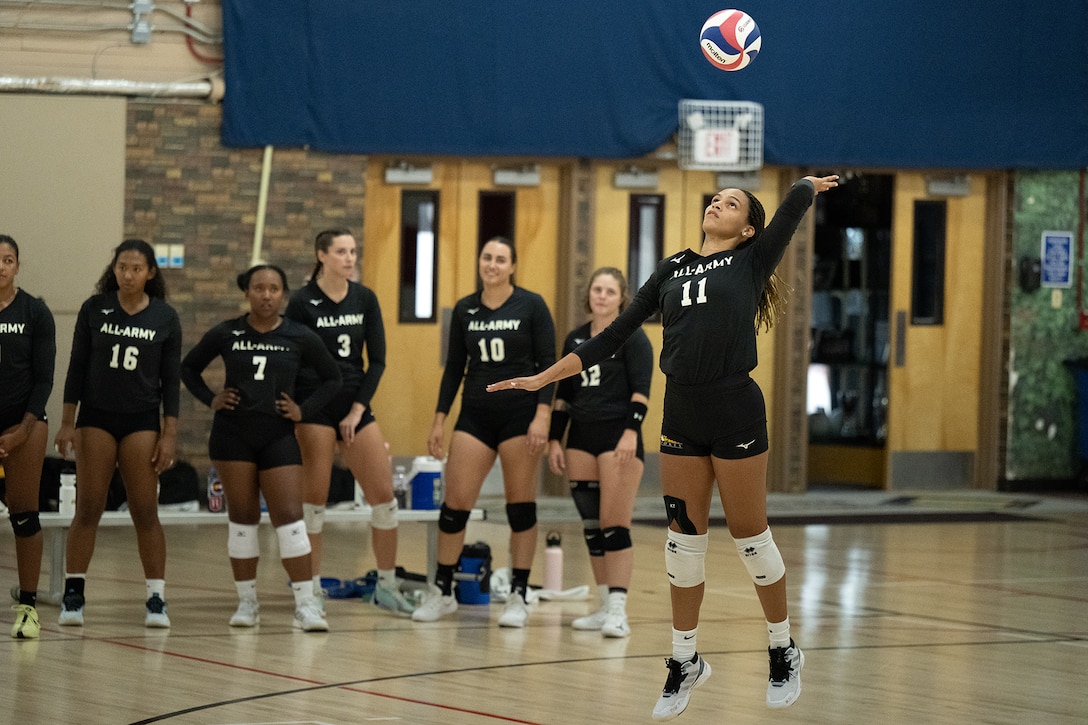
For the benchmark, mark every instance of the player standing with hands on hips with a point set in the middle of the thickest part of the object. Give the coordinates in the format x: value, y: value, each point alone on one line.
x: 502, y: 329
x: 28, y: 350
x: 252, y: 442
x: 712, y: 303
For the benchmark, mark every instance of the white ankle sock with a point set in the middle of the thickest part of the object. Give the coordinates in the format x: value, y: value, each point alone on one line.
x: 156, y: 586
x: 304, y: 591
x: 683, y: 644
x: 779, y: 633
x: 387, y: 578
x: 247, y: 589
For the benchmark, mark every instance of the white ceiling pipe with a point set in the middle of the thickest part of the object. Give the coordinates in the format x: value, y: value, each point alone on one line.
x: 211, y: 88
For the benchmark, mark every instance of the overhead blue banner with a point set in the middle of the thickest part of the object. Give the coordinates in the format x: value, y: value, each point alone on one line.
x: 931, y: 83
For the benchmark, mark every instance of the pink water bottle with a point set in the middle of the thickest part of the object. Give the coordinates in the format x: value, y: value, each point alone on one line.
x: 553, y: 562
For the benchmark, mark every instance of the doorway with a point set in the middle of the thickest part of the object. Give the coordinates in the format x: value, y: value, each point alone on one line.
x: 847, y: 391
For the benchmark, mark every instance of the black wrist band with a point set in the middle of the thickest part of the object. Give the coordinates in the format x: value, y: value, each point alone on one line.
x: 558, y: 428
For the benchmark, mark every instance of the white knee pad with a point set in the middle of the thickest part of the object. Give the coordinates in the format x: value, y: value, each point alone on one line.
x: 314, y: 516
x: 762, y: 558
x: 293, y: 540
x: 242, y: 541
x: 383, y: 516
x: 685, y: 559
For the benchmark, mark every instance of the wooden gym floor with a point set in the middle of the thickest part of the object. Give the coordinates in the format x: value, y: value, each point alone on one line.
x: 949, y: 616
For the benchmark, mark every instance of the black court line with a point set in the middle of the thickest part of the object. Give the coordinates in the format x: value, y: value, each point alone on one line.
x: 941, y: 517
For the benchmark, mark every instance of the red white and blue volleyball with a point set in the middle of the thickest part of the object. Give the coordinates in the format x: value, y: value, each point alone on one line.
x: 730, y: 39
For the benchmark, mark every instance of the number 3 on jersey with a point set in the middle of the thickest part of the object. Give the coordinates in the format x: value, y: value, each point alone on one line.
x: 493, y: 350
x: 128, y: 360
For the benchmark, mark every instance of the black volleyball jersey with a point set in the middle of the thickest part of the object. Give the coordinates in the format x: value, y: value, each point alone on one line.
x: 261, y: 365
x: 347, y: 328
x: 28, y: 352
x: 487, y: 345
x: 603, y: 391
x: 708, y: 304
x: 125, y: 363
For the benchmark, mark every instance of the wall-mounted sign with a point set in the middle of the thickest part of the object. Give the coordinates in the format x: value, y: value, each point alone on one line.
x: 1056, y: 259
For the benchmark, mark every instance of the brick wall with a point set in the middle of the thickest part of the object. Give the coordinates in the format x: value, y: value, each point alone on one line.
x: 183, y: 187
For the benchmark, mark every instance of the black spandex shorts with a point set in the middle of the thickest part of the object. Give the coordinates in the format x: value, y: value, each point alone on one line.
x: 725, y: 419
x: 118, y: 425
x: 262, y: 439
x: 334, y: 411
x: 10, y: 417
x: 493, y: 425
x: 600, y: 437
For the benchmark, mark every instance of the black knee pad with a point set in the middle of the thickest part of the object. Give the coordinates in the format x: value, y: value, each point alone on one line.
x: 25, y: 524
x: 522, y: 516
x: 452, y: 521
x: 594, y: 541
x: 617, y: 538
x: 587, y: 499
x: 677, y: 510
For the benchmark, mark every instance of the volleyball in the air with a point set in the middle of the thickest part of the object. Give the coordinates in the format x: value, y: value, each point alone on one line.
x: 730, y: 39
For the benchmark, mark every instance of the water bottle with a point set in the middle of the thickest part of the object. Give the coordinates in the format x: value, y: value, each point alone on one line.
x: 400, y: 486
x: 215, y: 491
x: 67, y: 502
x: 553, y: 562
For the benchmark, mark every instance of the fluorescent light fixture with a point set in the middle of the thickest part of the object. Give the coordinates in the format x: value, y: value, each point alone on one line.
x: 405, y: 173
x: 950, y: 185
x: 528, y: 175
x: 747, y: 180
x: 635, y: 178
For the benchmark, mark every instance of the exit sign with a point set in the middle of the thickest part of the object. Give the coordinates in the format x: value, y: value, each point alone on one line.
x: 716, y: 146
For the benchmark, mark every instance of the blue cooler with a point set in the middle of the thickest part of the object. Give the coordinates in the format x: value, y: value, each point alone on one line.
x: 473, y: 576
x: 426, y: 478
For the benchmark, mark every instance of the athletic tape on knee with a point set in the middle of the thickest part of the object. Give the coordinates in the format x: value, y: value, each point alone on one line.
x: 676, y: 509
x: 242, y: 541
x: 685, y: 559
x: 617, y: 538
x: 594, y: 541
x: 452, y: 521
x: 293, y: 540
x: 522, y: 516
x: 25, y: 524
x: 314, y: 516
x: 383, y: 516
x: 761, y: 557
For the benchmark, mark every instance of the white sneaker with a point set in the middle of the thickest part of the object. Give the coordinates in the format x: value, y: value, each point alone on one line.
x: 683, y: 678
x: 516, y: 613
x: 784, y: 685
x: 391, y: 600
x: 71, y: 611
x: 321, y: 595
x: 591, y: 622
x: 434, y: 606
x: 248, y: 614
x: 615, y: 622
x: 156, y: 617
x: 308, y: 617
